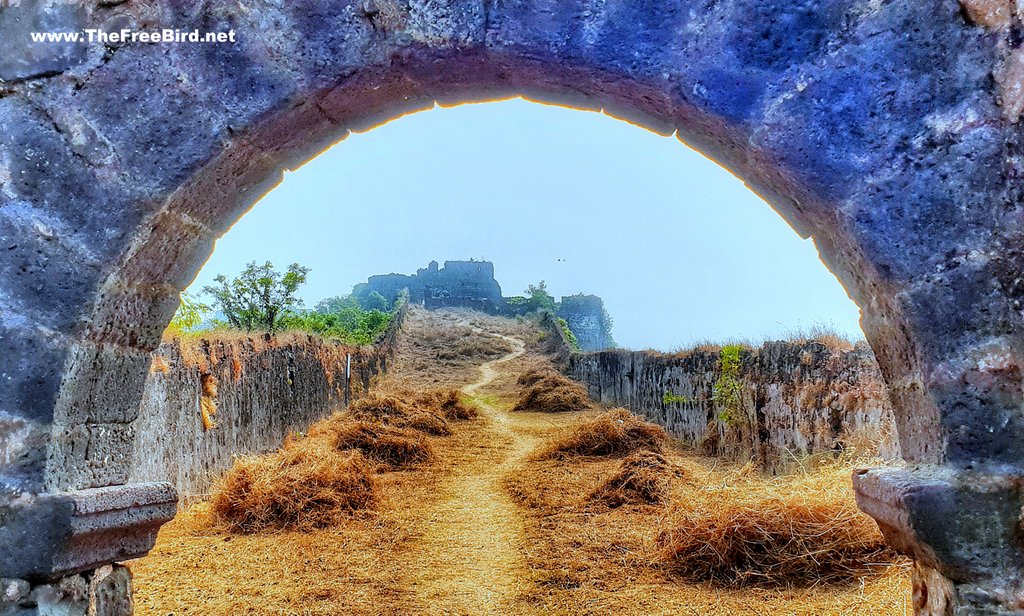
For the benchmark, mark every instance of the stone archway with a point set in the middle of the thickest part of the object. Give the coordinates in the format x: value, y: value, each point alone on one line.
x: 886, y: 131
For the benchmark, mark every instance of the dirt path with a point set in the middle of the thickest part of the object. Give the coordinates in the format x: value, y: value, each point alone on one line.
x: 470, y: 560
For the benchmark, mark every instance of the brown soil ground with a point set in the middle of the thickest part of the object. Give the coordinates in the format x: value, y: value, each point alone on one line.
x: 488, y: 528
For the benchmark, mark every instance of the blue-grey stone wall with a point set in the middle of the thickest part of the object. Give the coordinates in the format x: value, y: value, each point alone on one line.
x: 799, y: 399
x: 588, y: 321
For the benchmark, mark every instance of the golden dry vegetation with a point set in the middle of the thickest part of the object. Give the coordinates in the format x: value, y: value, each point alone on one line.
x: 573, y: 512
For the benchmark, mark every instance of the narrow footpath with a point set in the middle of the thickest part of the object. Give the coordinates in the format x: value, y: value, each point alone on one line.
x: 470, y: 558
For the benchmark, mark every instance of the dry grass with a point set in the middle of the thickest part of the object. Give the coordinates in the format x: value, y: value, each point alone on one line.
x: 449, y: 403
x: 613, y: 433
x: 451, y: 340
x: 444, y: 348
x: 582, y: 554
x: 473, y: 347
x: 389, y: 446
x: 397, y: 411
x: 427, y: 423
x: 547, y: 391
x: 427, y: 411
x: 800, y: 529
x: 537, y: 374
x: 591, y: 557
x: 378, y: 406
x: 826, y: 335
x: 358, y: 566
x: 642, y: 478
x: 208, y: 401
x: 313, y: 481
x: 303, y: 486
x: 200, y: 567
x: 159, y: 365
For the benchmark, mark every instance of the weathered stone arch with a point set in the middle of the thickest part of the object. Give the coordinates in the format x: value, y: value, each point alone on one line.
x: 886, y: 131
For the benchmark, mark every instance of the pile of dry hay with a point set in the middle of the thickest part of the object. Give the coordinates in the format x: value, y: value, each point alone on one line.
x: 743, y: 529
x: 388, y: 445
x: 392, y: 410
x: 451, y: 342
x: 428, y: 411
x: 312, y: 481
x: 615, y: 432
x: 799, y: 529
x: 643, y: 477
x: 447, y: 402
x: 547, y: 391
x: 307, y: 486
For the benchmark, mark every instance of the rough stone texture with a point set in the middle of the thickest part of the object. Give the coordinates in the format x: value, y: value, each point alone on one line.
x: 879, y: 129
x: 587, y: 320
x: 927, y: 513
x: 50, y: 535
x: 263, y: 393
x: 106, y: 591
x: 799, y: 399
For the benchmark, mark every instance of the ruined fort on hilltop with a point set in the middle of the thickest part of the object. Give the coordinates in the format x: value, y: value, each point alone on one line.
x: 471, y: 284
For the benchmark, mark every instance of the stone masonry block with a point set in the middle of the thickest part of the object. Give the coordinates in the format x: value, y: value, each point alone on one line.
x: 52, y: 537
x: 133, y: 315
x: 89, y: 455
x: 23, y: 58
x: 103, y: 384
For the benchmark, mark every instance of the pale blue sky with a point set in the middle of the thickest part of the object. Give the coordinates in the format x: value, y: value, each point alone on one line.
x: 680, y: 250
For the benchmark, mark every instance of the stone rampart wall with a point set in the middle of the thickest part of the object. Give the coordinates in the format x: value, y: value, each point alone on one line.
x: 798, y: 399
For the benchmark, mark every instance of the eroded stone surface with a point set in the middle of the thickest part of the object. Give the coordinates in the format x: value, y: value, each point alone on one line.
x: 990, y: 13
x: 106, y: 591
x: 798, y: 399
x: 47, y: 536
x: 961, y: 528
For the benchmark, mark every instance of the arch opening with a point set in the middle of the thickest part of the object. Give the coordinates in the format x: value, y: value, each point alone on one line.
x: 631, y: 231
x: 140, y: 294
x: 876, y: 129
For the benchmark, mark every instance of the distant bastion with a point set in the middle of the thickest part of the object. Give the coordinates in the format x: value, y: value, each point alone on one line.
x: 471, y: 284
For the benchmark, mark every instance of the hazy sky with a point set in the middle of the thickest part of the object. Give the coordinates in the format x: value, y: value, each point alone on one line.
x: 678, y: 248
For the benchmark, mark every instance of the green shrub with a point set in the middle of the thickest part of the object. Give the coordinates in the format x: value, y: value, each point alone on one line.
x: 342, y: 318
x: 671, y: 398
x: 571, y: 337
x: 539, y: 299
x: 728, y: 389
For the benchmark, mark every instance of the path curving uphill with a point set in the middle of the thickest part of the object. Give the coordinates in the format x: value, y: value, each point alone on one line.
x: 470, y: 557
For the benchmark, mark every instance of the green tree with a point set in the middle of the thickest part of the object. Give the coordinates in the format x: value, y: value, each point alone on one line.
x: 376, y: 301
x: 190, y: 315
x: 538, y: 298
x: 260, y: 297
x: 336, y: 304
